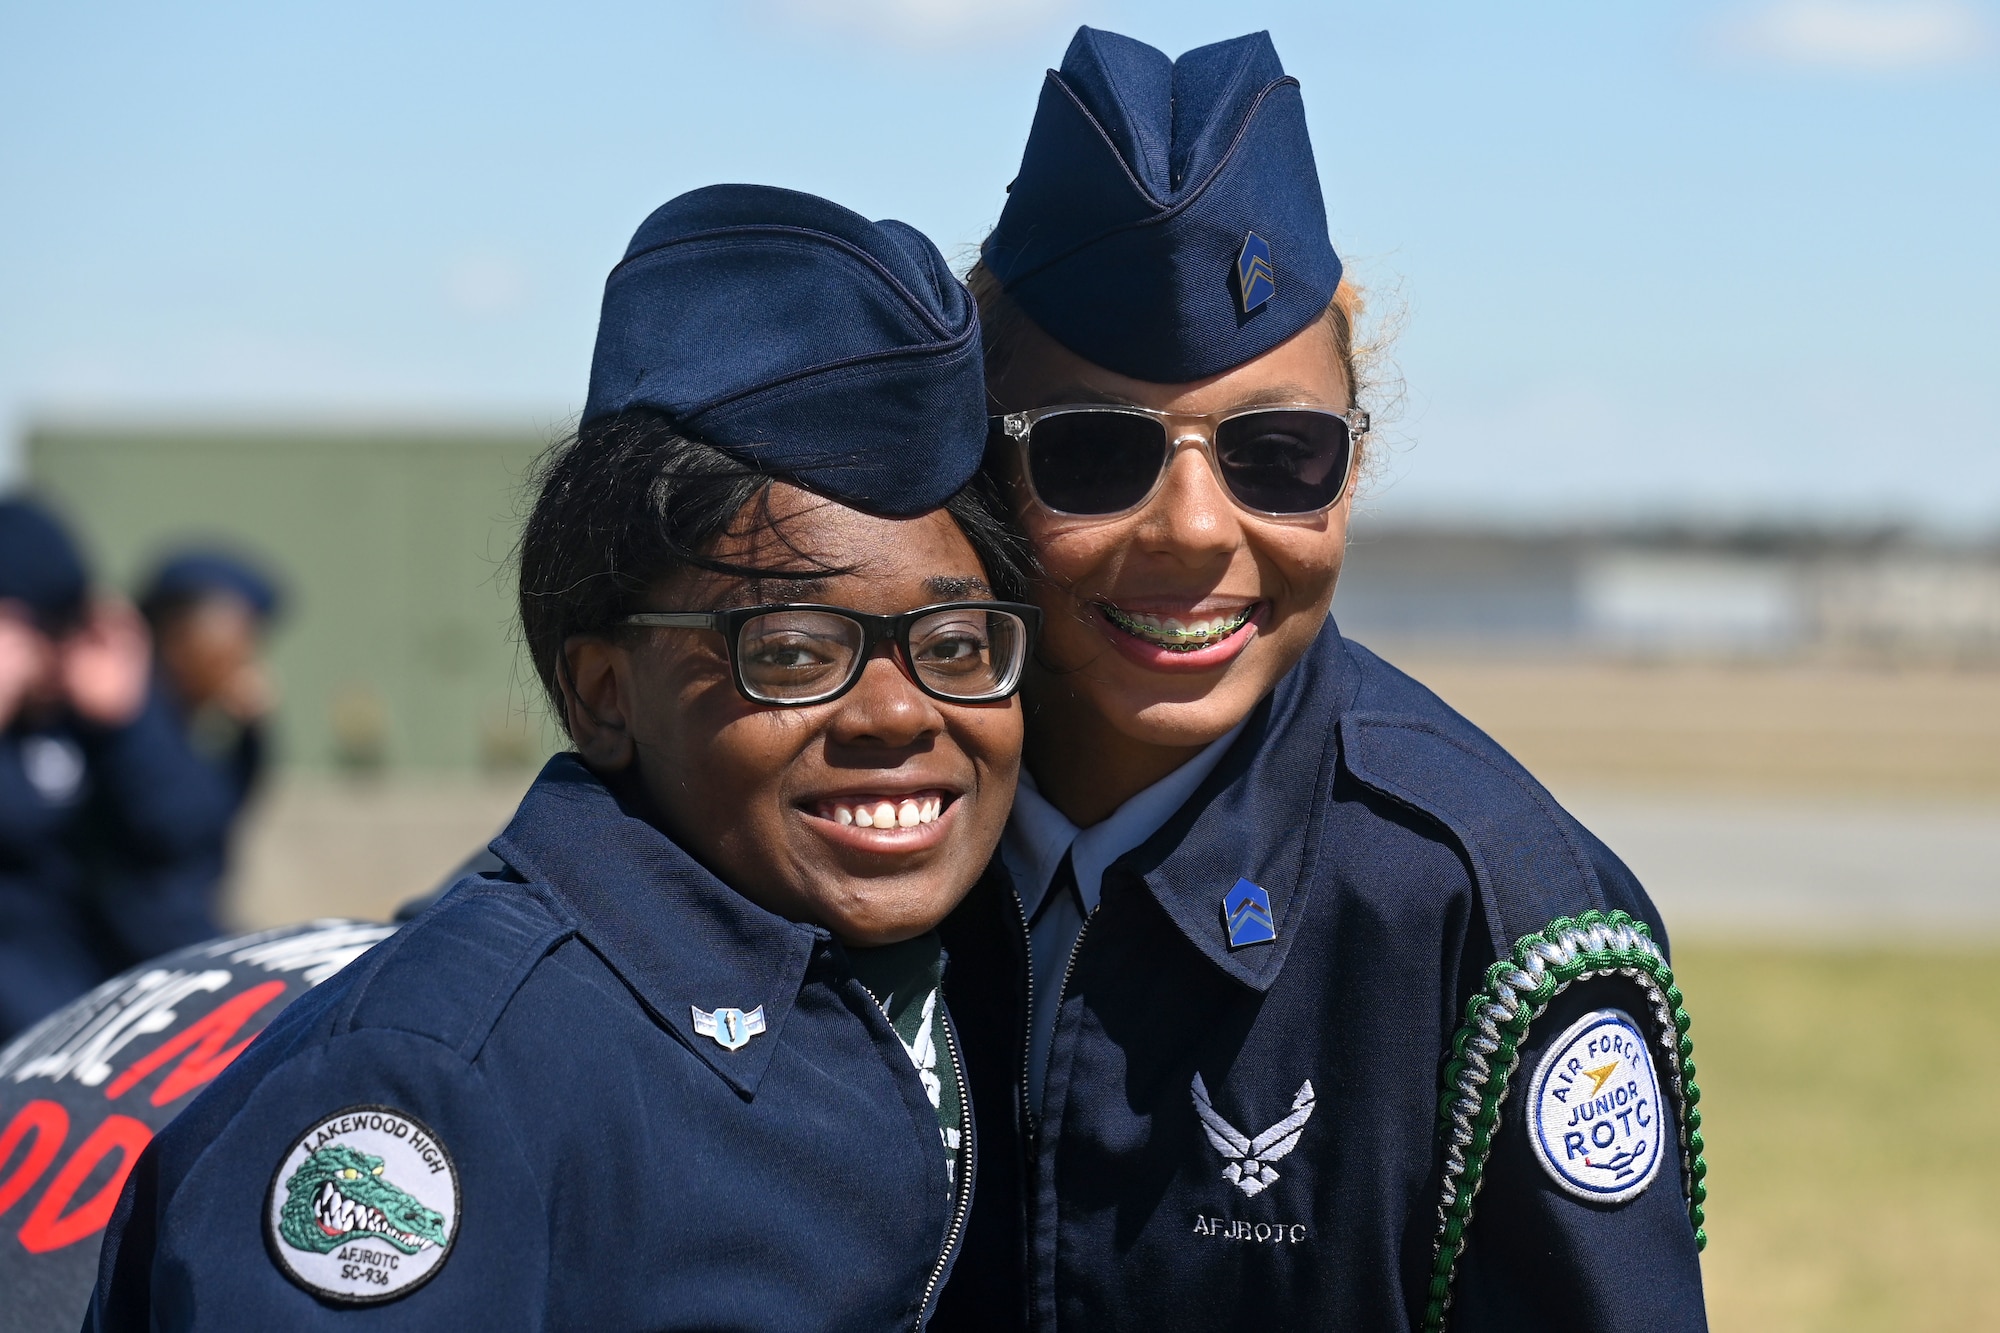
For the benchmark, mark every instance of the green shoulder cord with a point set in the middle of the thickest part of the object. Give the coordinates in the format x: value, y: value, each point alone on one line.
x: 1486, y: 1051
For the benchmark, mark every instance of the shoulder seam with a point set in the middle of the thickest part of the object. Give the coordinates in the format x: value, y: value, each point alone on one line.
x: 1558, y: 818
x: 1491, y: 755
x: 485, y: 1013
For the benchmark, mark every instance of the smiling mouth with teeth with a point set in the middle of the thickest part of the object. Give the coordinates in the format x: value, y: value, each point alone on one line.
x: 1174, y: 635
x: 884, y: 812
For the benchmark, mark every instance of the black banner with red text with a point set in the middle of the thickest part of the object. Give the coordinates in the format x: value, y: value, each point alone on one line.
x: 83, y: 1092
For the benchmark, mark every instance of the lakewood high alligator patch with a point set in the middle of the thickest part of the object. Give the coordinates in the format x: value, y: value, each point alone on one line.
x: 364, y: 1207
x: 1594, y: 1109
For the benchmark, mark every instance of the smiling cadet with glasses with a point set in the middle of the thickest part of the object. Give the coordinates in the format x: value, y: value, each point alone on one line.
x: 1241, y: 1056
x: 682, y: 1061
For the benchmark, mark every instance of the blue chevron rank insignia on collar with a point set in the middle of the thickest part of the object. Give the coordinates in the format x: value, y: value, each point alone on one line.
x: 1256, y: 280
x: 731, y: 1028
x: 1246, y: 910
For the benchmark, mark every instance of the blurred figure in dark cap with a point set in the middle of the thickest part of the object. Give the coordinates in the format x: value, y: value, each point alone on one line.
x: 209, y: 612
x: 111, y: 826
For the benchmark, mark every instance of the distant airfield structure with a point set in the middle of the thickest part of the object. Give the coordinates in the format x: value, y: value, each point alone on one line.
x: 399, y: 652
x: 1859, y: 597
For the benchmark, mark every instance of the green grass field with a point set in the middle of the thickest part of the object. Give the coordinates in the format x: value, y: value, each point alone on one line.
x: 1852, y: 1105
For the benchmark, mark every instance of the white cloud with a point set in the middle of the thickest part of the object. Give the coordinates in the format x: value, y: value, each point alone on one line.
x: 1871, y: 36
x: 929, y: 22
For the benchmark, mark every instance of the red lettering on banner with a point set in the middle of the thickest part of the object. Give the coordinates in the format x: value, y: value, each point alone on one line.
x: 50, y: 1123
x: 207, y: 1059
x: 48, y: 1228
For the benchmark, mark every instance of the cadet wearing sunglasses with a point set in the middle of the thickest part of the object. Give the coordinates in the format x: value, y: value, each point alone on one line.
x: 1256, y: 879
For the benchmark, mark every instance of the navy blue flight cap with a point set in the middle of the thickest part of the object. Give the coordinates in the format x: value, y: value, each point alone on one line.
x: 40, y: 565
x: 193, y: 574
x: 801, y: 338
x: 1167, y: 221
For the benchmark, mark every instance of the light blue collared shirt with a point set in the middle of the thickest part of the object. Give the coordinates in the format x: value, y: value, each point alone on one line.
x: 1037, y: 836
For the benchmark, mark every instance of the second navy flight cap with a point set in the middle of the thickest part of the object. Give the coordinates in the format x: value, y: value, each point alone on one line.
x: 1167, y: 220
x: 800, y: 338
x: 188, y: 575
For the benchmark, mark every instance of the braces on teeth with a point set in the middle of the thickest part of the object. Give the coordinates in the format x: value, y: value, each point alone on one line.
x: 1171, y: 634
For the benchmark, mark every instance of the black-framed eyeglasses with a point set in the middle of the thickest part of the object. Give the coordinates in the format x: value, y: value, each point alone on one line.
x: 793, y: 654
x: 1100, y: 461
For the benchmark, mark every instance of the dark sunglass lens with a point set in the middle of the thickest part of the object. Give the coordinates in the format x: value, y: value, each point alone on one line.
x: 1095, y: 462
x: 1284, y: 462
x: 967, y: 653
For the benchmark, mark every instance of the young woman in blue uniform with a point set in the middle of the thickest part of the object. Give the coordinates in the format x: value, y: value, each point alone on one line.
x: 1299, y: 1003
x: 211, y: 613
x: 681, y: 1062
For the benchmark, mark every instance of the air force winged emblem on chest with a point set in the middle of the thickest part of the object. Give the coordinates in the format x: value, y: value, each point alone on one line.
x: 1246, y: 1160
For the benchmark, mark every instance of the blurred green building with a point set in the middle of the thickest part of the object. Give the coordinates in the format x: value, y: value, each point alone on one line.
x: 398, y: 649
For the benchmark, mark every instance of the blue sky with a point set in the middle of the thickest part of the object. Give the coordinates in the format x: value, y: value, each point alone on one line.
x: 1650, y: 259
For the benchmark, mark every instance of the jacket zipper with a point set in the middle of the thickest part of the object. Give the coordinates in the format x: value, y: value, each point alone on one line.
x: 1032, y: 1163
x: 1062, y: 989
x: 1028, y: 1014
x: 967, y: 1164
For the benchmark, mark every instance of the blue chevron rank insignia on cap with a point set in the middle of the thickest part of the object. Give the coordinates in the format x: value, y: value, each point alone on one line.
x: 1256, y: 280
x: 1247, y: 911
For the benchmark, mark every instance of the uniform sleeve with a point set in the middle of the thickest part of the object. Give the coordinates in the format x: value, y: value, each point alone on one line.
x: 218, y: 1220
x: 1622, y: 891
x: 26, y: 819
x: 163, y: 814
x: 169, y: 802
x: 1539, y: 1256
x: 45, y: 960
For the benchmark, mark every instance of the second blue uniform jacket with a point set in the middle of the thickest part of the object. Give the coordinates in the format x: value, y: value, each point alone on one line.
x: 111, y: 844
x: 1248, y: 1134
x: 597, y: 1091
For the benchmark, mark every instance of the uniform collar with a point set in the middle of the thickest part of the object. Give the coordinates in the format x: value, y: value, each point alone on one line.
x: 1038, y: 834
x: 677, y: 935
x: 1257, y: 816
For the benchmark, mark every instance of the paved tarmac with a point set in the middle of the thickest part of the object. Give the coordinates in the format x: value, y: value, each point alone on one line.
x: 1820, y: 868
x: 1825, y: 867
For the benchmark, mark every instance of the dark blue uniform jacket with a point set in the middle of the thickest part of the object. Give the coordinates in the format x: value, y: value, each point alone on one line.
x: 1402, y: 851
x: 111, y: 842
x: 616, y: 1170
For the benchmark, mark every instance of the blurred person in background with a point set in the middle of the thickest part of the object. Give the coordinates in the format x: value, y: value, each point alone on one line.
x: 210, y: 612
x: 111, y: 826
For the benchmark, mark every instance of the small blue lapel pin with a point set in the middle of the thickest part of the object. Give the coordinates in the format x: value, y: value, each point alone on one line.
x: 1256, y: 280
x: 1247, y: 911
x: 731, y: 1028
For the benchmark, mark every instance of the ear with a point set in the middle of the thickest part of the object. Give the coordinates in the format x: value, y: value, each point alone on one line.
x: 597, y: 689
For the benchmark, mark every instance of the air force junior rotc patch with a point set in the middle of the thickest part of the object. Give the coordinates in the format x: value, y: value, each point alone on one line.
x: 364, y: 1207
x: 1594, y: 1110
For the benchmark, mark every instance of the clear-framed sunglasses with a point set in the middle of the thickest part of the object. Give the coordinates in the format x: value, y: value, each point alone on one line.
x: 790, y: 655
x: 1092, y: 460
